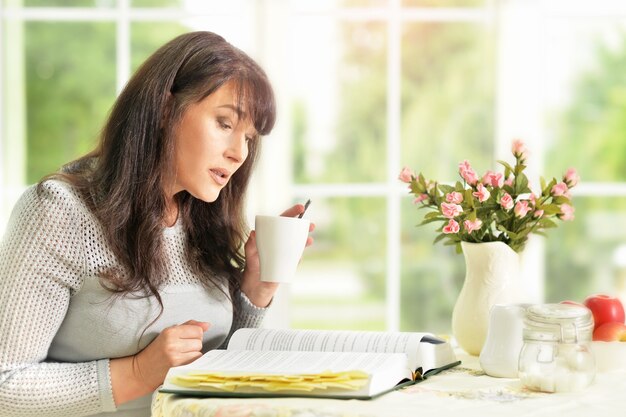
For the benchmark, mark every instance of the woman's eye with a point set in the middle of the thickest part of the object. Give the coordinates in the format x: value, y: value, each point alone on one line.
x: 224, y: 125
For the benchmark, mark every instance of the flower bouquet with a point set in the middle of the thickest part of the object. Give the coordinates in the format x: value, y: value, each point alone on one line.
x: 497, y: 207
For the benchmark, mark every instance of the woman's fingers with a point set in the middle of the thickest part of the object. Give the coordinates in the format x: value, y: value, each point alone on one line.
x: 189, y: 345
x: 204, y: 325
x: 293, y: 211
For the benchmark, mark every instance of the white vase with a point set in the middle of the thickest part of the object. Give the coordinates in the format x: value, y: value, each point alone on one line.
x: 491, y: 277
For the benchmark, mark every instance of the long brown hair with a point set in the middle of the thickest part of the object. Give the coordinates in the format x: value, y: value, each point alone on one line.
x: 118, y: 180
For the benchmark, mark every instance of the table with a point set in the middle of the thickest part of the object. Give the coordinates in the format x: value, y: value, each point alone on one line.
x: 462, y: 391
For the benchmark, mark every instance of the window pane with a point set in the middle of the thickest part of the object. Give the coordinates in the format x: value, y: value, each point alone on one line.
x: 447, y: 99
x: 199, y: 7
x: 443, y: 3
x: 339, y: 84
x: 588, y: 255
x: 69, y: 90
x: 156, y: 3
x: 147, y: 37
x: 585, y: 91
x: 340, y: 283
x: 431, y: 276
x: 447, y: 117
x: 318, y: 6
x: 70, y: 3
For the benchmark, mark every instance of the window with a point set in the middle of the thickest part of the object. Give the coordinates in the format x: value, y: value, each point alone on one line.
x: 364, y: 87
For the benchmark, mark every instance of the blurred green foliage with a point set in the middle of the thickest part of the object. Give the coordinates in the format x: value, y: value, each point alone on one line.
x: 156, y: 3
x: 70, y: 86
x: 590, y: 135
x: 147, y: 37
x: 69, y: 3
x: 447, y: 115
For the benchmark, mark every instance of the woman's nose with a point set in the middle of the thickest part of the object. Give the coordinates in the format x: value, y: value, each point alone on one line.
x: 238, y: 148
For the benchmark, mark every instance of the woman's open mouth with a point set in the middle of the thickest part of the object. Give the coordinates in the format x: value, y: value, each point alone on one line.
x: 219, y: 175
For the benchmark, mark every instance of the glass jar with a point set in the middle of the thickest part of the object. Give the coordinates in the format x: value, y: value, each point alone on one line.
x: 556, y: 355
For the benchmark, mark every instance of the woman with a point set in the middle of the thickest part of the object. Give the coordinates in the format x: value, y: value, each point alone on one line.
x: 129, y: 261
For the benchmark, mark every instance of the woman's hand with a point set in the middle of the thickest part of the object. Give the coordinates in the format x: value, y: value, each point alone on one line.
x: 141, y: 374
x: 259, y: 292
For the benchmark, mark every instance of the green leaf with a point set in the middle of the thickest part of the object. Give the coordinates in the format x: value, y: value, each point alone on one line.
x: 547, y: 223
x: 468, y: 197
x: 546, y: 190
x: 433, y: 214
x: 561, y: 200
x: 446, y: 188
x: 434, y: 219
x: 521, y: 184
x: 503, y: 229
x: 550, y: 209
x: 509, y: 189
x: 506, y: 165
x: 438, y: 238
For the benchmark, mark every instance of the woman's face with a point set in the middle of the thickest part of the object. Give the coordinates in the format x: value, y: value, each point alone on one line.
x: 210, y: 144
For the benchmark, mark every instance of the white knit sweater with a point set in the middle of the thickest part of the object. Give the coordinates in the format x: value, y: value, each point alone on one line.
x: 59, y: 327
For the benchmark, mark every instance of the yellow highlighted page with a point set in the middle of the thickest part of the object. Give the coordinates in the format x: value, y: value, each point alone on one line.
x: 348, y: 380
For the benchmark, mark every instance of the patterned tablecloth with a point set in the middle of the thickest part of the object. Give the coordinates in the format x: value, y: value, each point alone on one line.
x: 462, y: 391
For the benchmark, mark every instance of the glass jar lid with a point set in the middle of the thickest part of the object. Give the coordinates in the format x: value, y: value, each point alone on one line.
x: 564, y: 323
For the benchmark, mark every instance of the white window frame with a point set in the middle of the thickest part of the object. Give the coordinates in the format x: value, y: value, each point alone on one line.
x: 518, y: 110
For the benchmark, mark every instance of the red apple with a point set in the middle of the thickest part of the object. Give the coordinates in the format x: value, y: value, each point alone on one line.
x: 610, y: 332
x: 574, y: 303
x: 605, y: 309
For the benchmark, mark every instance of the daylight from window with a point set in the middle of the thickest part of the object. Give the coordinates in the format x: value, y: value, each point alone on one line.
x: 364, y: 87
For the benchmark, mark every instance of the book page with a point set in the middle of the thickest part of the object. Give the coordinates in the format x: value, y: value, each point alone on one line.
x: 329, y: 341
x: 291, y: 362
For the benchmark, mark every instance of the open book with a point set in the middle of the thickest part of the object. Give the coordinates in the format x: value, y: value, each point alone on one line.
x: 312, y: 363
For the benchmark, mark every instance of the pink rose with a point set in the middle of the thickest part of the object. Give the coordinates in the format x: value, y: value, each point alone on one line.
x: 538, y: 213
x: 451, y: 228
x: 467, y: 173
x: 406, y: 175
x: 571, y: 177
x: 560, y: 189
x: 420, y: 198
x: 567, y: 212
x: 506, y: 201
x: 454, y: 197
x: 451, y: 210
x: 495, y: 179
x: 518, y: 148
x: 521, y: 208
x: 482, y: 194
x: 471, y: 226
x: 509, y: 181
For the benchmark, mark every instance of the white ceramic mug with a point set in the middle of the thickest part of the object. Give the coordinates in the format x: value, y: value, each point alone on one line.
x: 280, y: 242
x: 500, y: 354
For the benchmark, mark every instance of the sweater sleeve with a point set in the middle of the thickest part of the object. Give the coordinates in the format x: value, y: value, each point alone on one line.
x: 246, y: 315
x: 41, y: 264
